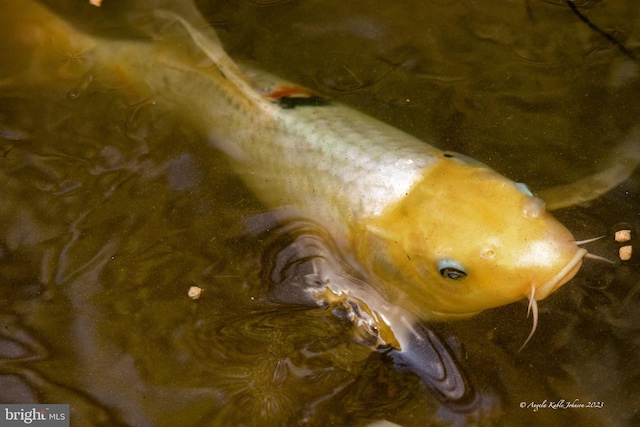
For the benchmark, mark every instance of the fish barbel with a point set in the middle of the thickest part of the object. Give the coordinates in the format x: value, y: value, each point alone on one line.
x: 435, y: 232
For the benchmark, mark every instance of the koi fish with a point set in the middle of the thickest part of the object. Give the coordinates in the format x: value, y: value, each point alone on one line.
x: 434, y: 233
x: 438, y: 233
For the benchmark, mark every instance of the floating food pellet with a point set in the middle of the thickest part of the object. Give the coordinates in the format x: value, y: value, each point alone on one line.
x: 623, y: 235
x: 625, y: 252
x: 95, y: 2
x: 194, y: 292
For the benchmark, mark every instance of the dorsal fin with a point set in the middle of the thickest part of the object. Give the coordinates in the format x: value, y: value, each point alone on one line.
x: 206, y: 38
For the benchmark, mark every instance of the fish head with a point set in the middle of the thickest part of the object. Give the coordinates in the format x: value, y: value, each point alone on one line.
x: 466, y: 239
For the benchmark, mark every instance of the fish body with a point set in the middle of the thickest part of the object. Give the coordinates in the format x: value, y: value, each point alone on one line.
x: 434, y: 232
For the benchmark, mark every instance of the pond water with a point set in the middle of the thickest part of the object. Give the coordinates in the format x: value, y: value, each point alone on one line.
x: 113, y: 206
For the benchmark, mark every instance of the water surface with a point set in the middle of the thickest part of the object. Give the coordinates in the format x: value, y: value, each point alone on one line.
x: 113, y: 205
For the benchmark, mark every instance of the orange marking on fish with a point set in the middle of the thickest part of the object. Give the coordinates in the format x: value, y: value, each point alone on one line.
x: 289, y: 92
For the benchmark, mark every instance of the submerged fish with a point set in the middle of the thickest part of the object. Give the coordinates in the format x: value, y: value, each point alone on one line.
x: 434, y: 233
x: 438, y: 233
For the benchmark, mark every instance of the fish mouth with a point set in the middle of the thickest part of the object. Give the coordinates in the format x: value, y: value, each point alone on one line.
x: 562, y: 277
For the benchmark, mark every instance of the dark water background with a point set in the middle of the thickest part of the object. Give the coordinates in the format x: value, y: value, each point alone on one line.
x: 112, y: 206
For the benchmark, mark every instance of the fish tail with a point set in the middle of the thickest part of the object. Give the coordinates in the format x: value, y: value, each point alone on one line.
x: 43, y: 47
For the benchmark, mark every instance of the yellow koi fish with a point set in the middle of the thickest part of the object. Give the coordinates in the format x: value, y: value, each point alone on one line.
x: 434, y: 232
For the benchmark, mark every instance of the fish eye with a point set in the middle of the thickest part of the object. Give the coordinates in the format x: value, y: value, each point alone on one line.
x: 452, y: 270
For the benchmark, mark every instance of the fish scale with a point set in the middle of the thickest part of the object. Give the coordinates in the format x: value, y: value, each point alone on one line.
x: 357, y: 175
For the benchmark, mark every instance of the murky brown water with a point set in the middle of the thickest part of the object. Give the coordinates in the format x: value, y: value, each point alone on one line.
x: 112, y: 207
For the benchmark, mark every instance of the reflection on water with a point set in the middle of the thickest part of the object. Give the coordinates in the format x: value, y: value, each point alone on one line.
x: 112, y: 207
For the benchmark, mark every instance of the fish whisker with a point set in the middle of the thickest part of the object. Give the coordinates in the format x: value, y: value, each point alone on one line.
x: 582, y: 242
x: 533, y: 309
x: 598, y: 257
x: 593, y: 256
